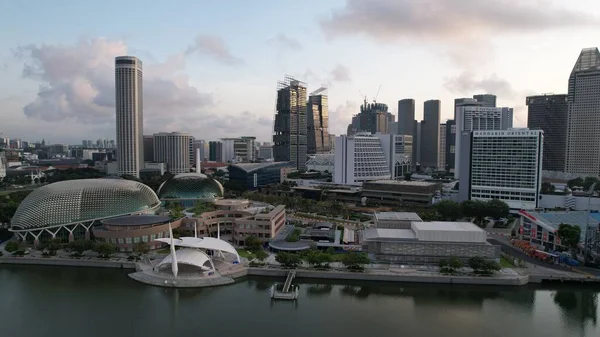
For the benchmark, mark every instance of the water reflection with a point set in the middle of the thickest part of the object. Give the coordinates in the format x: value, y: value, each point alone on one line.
x: 577, y: 307
x: 318, y: 290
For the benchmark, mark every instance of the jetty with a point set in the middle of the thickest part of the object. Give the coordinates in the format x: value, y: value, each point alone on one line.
x: 289, y: 291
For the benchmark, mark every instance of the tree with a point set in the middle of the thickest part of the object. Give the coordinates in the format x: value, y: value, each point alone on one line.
x: 355, y: 261
x: 407, y: 176
x: 253, y: 244
x: 448, y: 210
x: 77, y: 246
x: 497, y: 208
x: 13, y: 246
x: 454, y: 263
x: 474, y: 209
x: 141, y: 248
x: 53, y: 246
x: 570, y: 236
x: 547, y: 188
x: 477, y: 263
x: 575, y: 182
x: 105, y: 249
x: 261, y: 255
x: 288, y: 260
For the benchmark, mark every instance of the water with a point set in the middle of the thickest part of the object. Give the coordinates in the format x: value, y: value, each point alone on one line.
x: 65, y: 302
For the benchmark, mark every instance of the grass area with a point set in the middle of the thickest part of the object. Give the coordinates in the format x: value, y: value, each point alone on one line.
x: 245, y: 253
x: 504, y: 263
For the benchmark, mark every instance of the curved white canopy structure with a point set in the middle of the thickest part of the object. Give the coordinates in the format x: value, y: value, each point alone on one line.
x: 191, y: 257
x: 203, y: 243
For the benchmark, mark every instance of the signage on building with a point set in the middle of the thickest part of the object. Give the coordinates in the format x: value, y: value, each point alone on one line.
x: 507, y: 133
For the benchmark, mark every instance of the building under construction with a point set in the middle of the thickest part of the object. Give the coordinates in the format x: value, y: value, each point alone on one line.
x: 290, y: 125
x: 373, y: 117
x: 317, y: 111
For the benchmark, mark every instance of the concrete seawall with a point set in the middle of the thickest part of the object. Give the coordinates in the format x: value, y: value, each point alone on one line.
x: 67, y: 262
x: 388, y: 277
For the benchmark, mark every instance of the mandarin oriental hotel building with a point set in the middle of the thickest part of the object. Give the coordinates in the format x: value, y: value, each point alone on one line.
x: 502, y: 164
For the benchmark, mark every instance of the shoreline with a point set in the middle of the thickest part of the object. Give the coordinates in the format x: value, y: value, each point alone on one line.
x: 50, y: 261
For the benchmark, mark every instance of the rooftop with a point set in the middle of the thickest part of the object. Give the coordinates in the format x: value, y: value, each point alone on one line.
x: 552, y: 220
x: 446, y: 226
x: 402, y: 182
x: 389, y: 234
x: 398, y: 216
x: 137, y: 220
x: 249, y: 167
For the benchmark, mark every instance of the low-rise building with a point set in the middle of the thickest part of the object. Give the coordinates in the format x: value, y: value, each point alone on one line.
x: 394, y: 192
x: 395, y: 220
x: 428, y: 243
x: 254, y: 175
x: 264, y: 225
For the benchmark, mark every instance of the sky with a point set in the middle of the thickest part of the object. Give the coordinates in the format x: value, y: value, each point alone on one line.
x: 211, y: 67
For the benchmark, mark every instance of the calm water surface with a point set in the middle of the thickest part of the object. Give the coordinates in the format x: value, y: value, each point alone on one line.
x: 65, y: 302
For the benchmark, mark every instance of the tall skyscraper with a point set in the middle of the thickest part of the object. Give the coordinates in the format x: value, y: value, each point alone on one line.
x: 583, y: 126
x: 373, y: 117
x: 317, y: 122
x: 406, y: 116
x: 450, y: 143
x: 465, y: 102
x: 430, y: 134
x: 416, y: 148
x: 174, y: 150
x: 486, y: 100
x: 289, y: 137
x: 360, y: 158
x: 149, y: 148
x: 550, y: 113
x: 478, y: 118
x: 130, y: 116
x: 442, y: 148
x: 215, y: 151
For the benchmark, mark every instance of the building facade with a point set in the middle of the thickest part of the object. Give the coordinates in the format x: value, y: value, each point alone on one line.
x: 265, y: 152
x: 215, y: 151
x: 398, y: 153
x: 373, y: 118
x: 318, y: 122
x: 289, y: 138
x: 583, y: 124
x: 486, y: 100
x: 148, y: 148
x: 442, y: 148
x: 406, y: 116
x: 174, y: 150
x: 477, y: 118
x: 502, y: 164
x: 360, y: 158
x: 550, y: 113
x: 430, y: 134
x: 130, y: 115
x: 264, y: 225
x: 255, y: 175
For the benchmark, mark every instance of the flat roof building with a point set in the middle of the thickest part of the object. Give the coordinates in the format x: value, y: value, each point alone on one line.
x: 394, y: 192
x: 395, y: 220
x: 360, y: 158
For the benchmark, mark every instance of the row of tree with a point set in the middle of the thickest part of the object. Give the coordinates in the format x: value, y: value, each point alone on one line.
x: 479, y: 265
x: 77, y: 247
x: 447, y: 210
x: 321, y: 259
x: 9, y: 204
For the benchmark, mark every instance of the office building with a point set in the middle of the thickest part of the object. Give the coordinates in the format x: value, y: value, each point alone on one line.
x: 398, y: 153
x: 550, y: 113
x: 317, y: 122
x: 174, y: 150
x: 406, y: 116
x: 215, y: 151
x: 359, y: 158
x: 478, y: 118
x: 200, y: 146
x: 255, y: 175
x: 450, y: 143
x: 583, y: 125
x: 502, y: 164
x: 442, y: 148
x: 486, y: 100
x: 373, y: 117
x: 3, y: 164
x: 396, y: 193
x: 416, y: 150
x: 430, y: 134
x: 245, y: 149
x: 289, y: 138
x: 265, y: 152
x: 130, y: 115
x: 149, y: 148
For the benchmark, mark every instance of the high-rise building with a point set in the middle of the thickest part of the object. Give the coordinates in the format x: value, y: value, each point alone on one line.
x: 331, y: 143
x: 583, y: 125
x: 173, y: 149
x: 550, y: 113
x: 465, y: 102
x: 130, y: 116
x: 265, y: 152
x: 442, y: 148
x: 478, y: 118
x: 289, y: 137
x: 192, y: 152
x: 416, y: 150
x: 215, y: 151
x: 450, y: 145
x: 373, y: 117
x: 430, y: 134
x: 317, y: 116
x: 228, y: 150
x: 502, y: 164
x: 359, y: 158
x: 199, y: 145
x: 406, y: 116
x: 149, y: 148
x: 486, y: 100
x: 3, y: 164
x: 398, y: 153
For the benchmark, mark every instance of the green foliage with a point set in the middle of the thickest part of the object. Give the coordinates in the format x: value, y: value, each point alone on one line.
x: 53, y: 245
x: 355, y: 261
x: 318, y: 259
x: 75, y: 173
x: 253, y: 244
x: 175, y: 210
x: 294, y: 236
x: 455, y: 263
x: 482, y: 266
x: 261, y: 255
x: 288, y: 260
x: 78, y: 246
x: 141, y: 248
x: 449, y: 210
x: 450, y: 265
x: 429, y: 215
x: 13, y: 246
x: 569, y: 235
x: 105, y: 249
x: 496, y: 208
x: 202, y: 207
x: 547, y: 188
x: 407, y: 176
x: 9, y: 204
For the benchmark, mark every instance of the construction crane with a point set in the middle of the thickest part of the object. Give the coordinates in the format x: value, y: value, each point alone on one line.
x: 376, y: 95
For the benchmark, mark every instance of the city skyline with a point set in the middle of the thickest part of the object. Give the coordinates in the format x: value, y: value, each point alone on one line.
x: 202, y: 77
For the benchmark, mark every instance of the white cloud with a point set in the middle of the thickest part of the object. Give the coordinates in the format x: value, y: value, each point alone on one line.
x: 214, y: 47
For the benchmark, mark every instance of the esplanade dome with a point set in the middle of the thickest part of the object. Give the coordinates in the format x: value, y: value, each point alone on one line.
x: 82, y: 200
x: 191, y: 187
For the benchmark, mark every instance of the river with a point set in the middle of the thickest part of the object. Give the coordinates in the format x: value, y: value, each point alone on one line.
x: 85, y: 302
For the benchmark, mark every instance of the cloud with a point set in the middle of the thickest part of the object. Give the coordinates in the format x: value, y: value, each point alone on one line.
x: 76, y: 83
x: 214, y: 47
x: 342, y: 115
x: 340, y: 73
x: 453, y: 21
x: 467, y: 84
x: 284, y: 42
